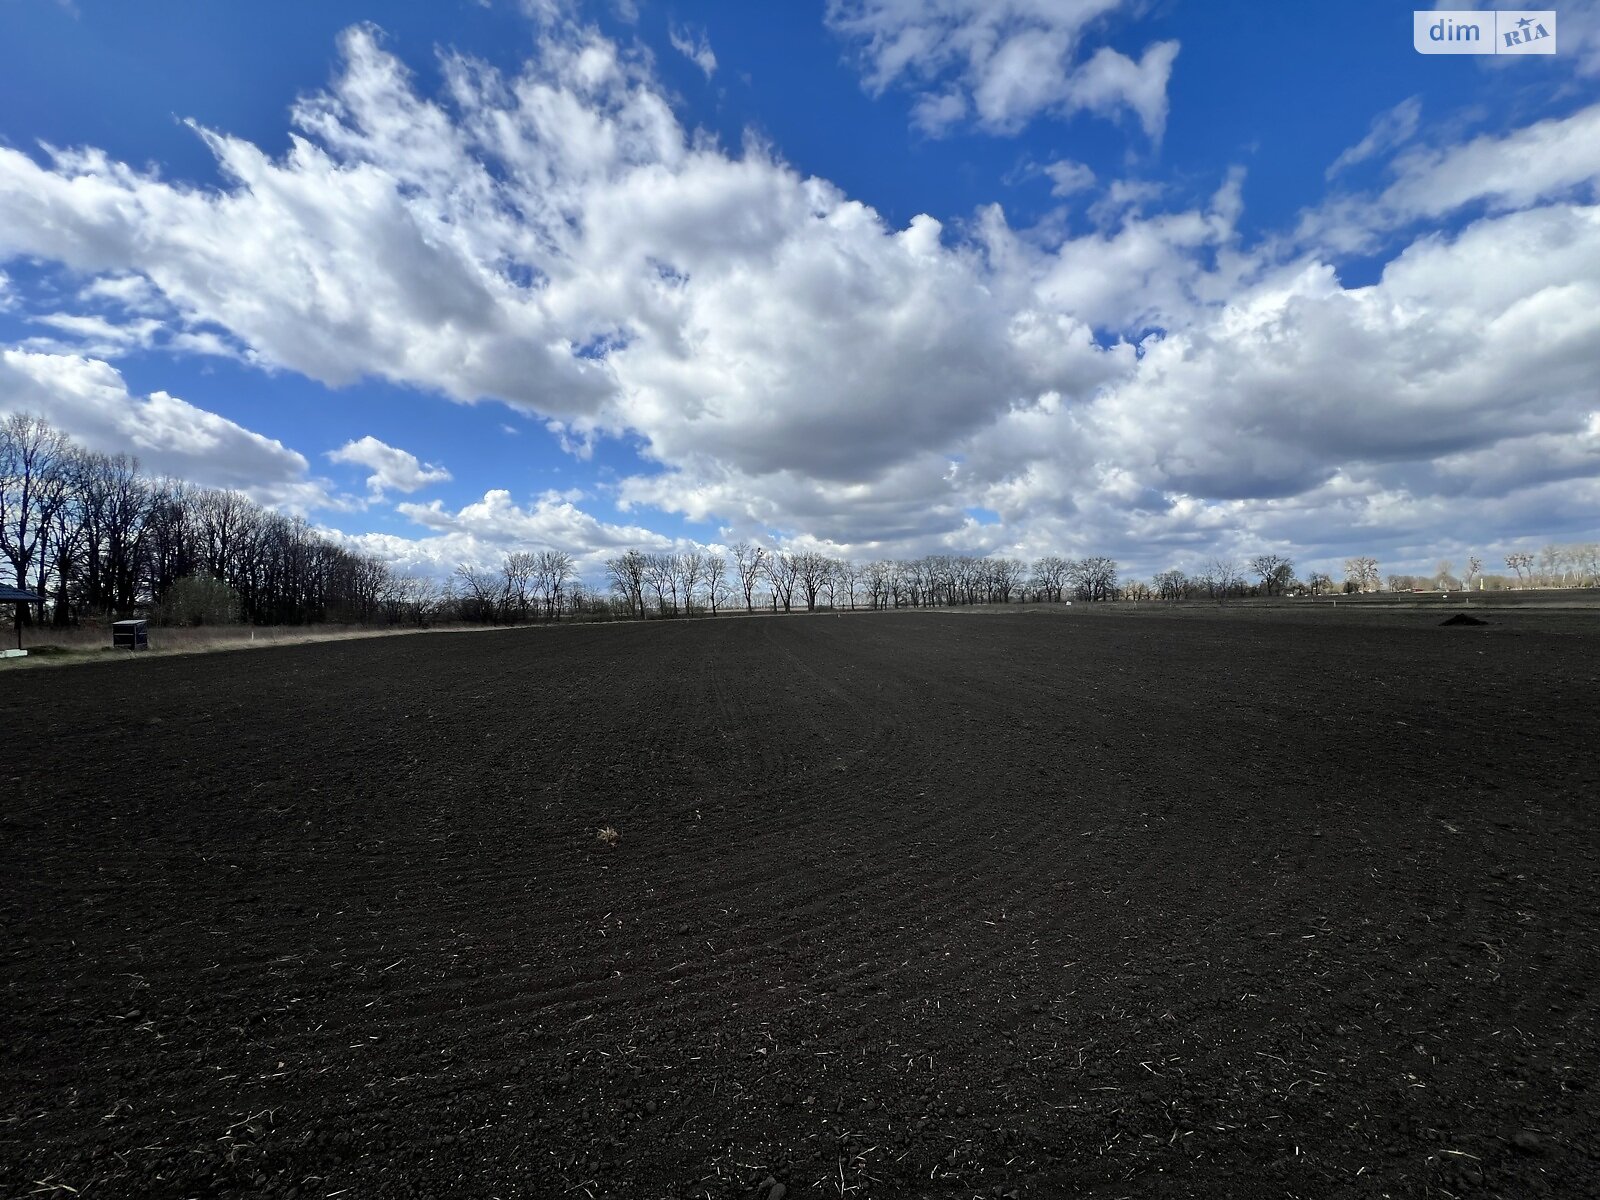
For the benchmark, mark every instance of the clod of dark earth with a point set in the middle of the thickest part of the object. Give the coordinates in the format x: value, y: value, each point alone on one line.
x: 1121, y: 903
x: 1463, y: 619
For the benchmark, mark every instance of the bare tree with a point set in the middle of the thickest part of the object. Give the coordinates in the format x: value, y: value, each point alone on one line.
x: 1587, y: 558
x: 1474, y: 570
x: 627, y: 575
x: 581, y: 600
x: 916, y: 582
x: 1008, y: 578
x: 1094, y: 578
x: 69, y: 532
x: 1521, y: 562
x: 878, y: 576
x: 1555, y: 565
x: 811, y: 569
x: 1224, y: 577
x: 1171, y: 585
x: 517, y: 576
x: 1361, y: 574
x: 426, y: 596
x: 482, y: 592
x: 1274, y: 571
x: 660, y: 575
x: 117, y: 509
x: 749, y: 562
x: 411, y: 599
x: 782, y: 571
x: 553, y: 572
x: 1049, y: 577
x: 221, y: 517
x: 848, y: 576
x: 716, y: 580
x: 33, y: 485
x: 831, y: 581
x: 687, y: 569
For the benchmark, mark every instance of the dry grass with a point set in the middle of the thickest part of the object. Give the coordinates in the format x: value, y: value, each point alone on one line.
x: 60, y: 647
x: 608, y: 836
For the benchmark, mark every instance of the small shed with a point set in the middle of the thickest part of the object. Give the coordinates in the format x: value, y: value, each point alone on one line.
x: 130, y: 635
x: 17, y: 597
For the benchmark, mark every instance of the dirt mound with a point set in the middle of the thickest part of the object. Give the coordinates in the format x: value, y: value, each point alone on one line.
x: 1463, y: 619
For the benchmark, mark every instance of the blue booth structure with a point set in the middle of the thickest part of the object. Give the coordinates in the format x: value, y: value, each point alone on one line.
x: 16, y: 597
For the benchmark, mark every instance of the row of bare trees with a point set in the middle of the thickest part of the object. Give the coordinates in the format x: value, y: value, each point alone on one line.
x: 1224, y: 578
x: 527, y: 586
x: 97, y: 537
x: 1554, y: 566
x: 1575, y: 565
x: 755, y: 576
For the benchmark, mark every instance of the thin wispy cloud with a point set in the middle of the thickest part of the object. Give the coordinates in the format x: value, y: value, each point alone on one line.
x: 695, y: 47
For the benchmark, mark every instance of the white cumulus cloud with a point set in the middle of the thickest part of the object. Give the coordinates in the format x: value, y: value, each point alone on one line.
x: 392, y: 469
x: 89, y: 400
x: 480, y: 534
x: 1003, y: 62
x: 789, y: 362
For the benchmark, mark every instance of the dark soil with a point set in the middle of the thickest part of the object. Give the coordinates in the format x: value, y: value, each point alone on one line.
x: 902, y: 905
x: 1463, y: 619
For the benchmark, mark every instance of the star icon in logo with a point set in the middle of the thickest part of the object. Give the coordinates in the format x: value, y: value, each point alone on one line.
x: 1524, y: 23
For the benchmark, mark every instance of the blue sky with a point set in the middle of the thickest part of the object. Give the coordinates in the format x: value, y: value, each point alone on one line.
x: 881, y: 277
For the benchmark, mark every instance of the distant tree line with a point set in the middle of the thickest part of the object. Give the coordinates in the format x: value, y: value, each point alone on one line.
x: 1223, y: 578
x: 1555, y: 566
x: 98, y: 538
x: 755, y: 577
x: 527, y: 587
x: 752, y: 578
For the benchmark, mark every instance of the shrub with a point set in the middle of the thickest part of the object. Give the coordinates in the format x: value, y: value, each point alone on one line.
x: 198, y: 600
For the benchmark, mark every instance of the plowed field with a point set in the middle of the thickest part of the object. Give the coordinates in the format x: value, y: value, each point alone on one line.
x: 902, y: 904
